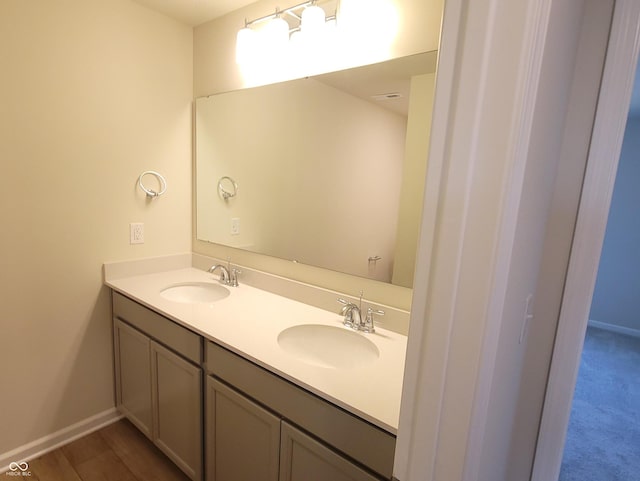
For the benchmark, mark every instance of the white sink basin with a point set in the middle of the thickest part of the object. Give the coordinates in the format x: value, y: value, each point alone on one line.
x: 195, y: 292
x: 328, y: 346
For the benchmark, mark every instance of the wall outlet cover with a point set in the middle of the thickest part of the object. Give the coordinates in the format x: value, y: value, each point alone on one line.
x: 136, y: 233
x: 235, y: 226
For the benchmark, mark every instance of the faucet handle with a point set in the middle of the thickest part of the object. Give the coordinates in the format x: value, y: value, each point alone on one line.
x: 346, y: 305
x: 234, y: 277
x: 368, y: 322
x: 347, y: 312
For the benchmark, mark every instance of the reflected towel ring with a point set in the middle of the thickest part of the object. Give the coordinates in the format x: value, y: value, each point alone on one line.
x: 225, y: 193
x: 150, y: 192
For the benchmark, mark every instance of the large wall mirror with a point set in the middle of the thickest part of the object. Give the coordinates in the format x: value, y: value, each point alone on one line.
x: 327, y: 171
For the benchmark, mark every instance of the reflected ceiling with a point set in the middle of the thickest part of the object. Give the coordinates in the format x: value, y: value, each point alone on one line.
x: 194, y: 12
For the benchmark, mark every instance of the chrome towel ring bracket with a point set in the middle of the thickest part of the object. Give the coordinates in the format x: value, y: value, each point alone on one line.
x: 227, y: 187
x: 161, y: 182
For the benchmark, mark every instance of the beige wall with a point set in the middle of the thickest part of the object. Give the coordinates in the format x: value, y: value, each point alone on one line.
x: 215, y: 71
x: 93, y: 93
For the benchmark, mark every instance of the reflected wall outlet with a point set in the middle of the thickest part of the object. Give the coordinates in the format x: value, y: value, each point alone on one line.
x: 235, y: 226
x: 136, y: 233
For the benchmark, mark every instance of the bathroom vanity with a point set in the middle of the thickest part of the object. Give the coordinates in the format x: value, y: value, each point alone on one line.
x: 252, y: 385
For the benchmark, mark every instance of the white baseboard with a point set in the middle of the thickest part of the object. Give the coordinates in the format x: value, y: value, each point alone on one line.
x: 614, y: 328
x: 59, y: 438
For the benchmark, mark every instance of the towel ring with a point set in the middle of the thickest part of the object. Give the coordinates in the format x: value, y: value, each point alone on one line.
x: 150, y: 192
x: 225, y: 193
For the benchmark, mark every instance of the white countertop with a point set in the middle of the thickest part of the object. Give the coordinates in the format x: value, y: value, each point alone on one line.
x: 248, y: 322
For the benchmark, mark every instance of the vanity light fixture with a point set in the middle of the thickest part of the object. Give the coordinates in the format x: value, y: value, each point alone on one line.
x: 306, y: 20
x: 312, y: 20
x: 245, y: 40
x: 276, y: 33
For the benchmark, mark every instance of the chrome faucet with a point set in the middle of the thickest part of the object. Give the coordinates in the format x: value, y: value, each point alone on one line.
x: 353, y: 315
x: 224, y: 273
x: 228, y: 276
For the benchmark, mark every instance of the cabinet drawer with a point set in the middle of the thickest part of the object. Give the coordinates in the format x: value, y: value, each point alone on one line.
x: 363, y: 442
x: 167, y: 332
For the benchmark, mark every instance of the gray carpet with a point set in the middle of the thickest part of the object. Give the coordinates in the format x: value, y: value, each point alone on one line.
x: 603, y: 441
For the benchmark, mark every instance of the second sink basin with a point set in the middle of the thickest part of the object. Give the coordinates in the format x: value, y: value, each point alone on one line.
x: 328, y: 346
x: 195, y: 292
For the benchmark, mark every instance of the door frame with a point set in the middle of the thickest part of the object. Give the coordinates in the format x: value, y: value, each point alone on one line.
x: 602, y: 163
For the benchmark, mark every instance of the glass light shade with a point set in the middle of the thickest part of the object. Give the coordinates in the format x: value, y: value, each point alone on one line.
x: 330, y: 34
x: 245, y: 45
x: 296, y: 42
x: 313, y: 19
x: 331, y: 29
x: 350, y: 11
x: 276, y: 33
x: 297, y: 49
x: 295, y: 36
x: 367, y: 26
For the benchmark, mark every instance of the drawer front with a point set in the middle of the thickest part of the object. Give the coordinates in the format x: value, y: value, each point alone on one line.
x: 349, y: 434
x: 165, y: 331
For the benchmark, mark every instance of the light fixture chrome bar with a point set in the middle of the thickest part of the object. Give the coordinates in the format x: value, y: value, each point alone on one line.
x: 294, y: 15
x: 277, y: 13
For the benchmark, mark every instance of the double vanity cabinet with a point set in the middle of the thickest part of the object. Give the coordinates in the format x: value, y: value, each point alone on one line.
x: 222, y: 417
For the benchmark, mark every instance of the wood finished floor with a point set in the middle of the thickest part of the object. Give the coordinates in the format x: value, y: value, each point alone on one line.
x: 118, y: 452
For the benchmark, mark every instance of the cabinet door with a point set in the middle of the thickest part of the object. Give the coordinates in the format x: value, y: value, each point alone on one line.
x: 177, y: 400
x: 242, y: 439
x: 133, y: 376
x: 302, y: 458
